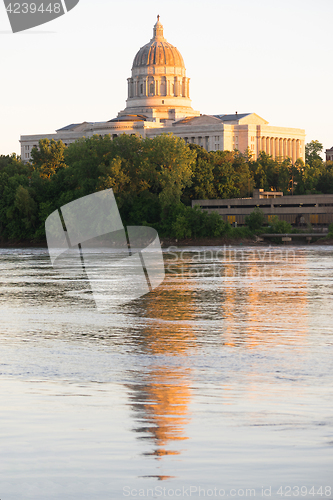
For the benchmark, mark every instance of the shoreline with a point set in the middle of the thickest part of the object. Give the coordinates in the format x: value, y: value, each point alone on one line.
x: 189, y: 242
x: 205, y: 242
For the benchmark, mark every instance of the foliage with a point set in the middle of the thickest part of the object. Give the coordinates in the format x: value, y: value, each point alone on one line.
x: 238, y: 233
x: 48, y: 158
x: 312, y: 150
x: 255, y: 220
x: 330, y: 231
x: 154, y: 181
x: 279, y: 226
x: 185, y: 222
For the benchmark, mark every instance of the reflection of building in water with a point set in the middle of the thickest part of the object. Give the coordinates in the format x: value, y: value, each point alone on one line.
x: 162, y: 394
x: 264, y: 283
x: 161, y: 403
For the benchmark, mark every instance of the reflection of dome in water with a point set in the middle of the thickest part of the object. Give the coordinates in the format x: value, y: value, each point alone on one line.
x: 158, y: 87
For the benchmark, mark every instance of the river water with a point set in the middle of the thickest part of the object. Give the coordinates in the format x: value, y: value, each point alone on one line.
x: 217, y: 384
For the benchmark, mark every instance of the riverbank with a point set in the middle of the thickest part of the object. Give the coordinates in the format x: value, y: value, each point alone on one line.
x: 188, y: 242
x: 23, y: 244
x: 220, y: 242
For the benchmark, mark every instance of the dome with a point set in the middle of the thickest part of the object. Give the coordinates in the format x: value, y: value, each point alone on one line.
x: 158, y: 51
x: 158, y: 88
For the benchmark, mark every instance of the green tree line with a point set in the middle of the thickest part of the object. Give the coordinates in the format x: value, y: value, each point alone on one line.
x: 154, y: 182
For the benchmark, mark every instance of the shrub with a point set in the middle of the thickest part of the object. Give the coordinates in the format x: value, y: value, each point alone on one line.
x: 330, y: 231
x: 255, y: 220
x: 180, y: 228
x: 279, y: 226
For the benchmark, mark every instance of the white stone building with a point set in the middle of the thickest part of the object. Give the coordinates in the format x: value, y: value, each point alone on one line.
x: 329, y: 154
x: 158, y: 102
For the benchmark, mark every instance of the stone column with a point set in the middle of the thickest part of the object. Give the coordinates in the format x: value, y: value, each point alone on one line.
x: 297, y: 149
x: 294, y: 150
x: 177, y: 87
x: 268, y: 149
x: 258, y: 147
x: 263, y: 144
x: 273, y: 147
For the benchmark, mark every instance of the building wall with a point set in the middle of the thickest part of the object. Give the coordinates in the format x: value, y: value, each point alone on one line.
x: 211, y: 134
x: 315, y: 209
x: 329, y: 154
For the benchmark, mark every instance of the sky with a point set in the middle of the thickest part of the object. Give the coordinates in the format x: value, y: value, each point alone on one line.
x: 270, y: 57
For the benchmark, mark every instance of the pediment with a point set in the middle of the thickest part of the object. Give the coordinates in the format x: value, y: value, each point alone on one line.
x: 252, y: 119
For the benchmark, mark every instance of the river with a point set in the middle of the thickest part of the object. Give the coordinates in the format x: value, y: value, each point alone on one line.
x: 217, y: 384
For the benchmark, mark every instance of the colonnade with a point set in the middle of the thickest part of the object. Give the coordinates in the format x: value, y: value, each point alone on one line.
x: 203, y: 141
x: 148, y: 86
x: 280, y: 147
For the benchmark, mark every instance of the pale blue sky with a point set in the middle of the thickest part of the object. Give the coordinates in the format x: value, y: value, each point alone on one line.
x: 268, y: 57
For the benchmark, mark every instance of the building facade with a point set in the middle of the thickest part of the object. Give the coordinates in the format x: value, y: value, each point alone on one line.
x: 314, y: 209
x: 159, y: 102
x: 329, y: 154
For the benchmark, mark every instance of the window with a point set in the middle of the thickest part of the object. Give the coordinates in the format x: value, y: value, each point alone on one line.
x: 151, y: 88
x: 141, y: 88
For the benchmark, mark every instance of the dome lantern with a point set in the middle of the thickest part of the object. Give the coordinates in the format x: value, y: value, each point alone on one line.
x: 158, y: 30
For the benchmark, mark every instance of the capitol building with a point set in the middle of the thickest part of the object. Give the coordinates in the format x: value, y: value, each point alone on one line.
x: 159, y: 102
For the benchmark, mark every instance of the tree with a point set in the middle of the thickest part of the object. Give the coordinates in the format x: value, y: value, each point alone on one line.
x: 255, y: 220
x: 312, y: 150
x: 170, y: 163
x: 48, y: 158
x: 202, y: 186
x: 225, y: 175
